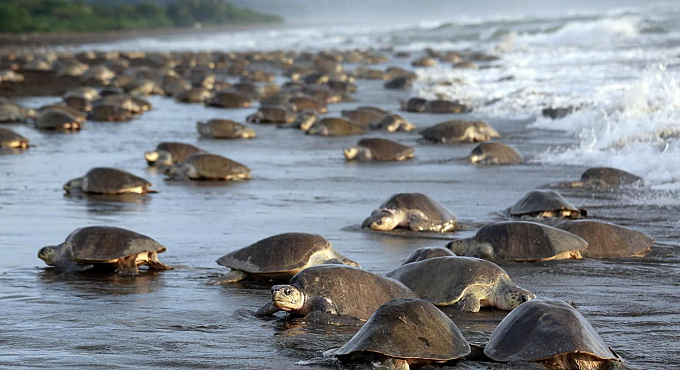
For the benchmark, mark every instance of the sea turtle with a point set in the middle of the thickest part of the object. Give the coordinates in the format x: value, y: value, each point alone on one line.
x: 545, y: 204
x: 304, y: 121
x: 424, y: 61
x: 379, y: 150
x: 12, y: 112
x: 98, y: 73
x: 11, y: 76
x: 78, y: 102
x: 76, y: 114
x: 331, y: 126
x: 466, y: 64
x: 279, y: 257
x: 300, y: 103
x: 104, y: 246
x: 131, y: 103
x: 363, y: 116
x: 494, y: 153
x: 399, y: 83
x: 102, y: 180
x: 416, y: 105
x: 520, y: 241
x: 392, y: 123
x: 425, y: 253
x: 404, y: 332
x: 176, y: 86
x: 272, y: 114
x: 144, y: 87
x: 109, y: 113
x: 203, y: 166
x: 607, y: 240
x: 229, y: 99
x: 336, y: 290
x: 459, y: 131
x: 52, y: 119
x: 169, y: 153
x: 467, y: 283
x: 224, y: 129
x: 415, y: 211
x: 607, y: 177
x: 550, y: 332
x: 194, y: 95
x: 10, y: 139
x: 88, y: 93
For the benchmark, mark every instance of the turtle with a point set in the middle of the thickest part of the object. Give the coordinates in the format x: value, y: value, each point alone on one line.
x: 78, y: 102
x: 520, y: 241
x: 194, y: 95
x: 109, y: 113
x: 459, y: 131
x: 300, y: 103
x: 176, y: 86
x: 607, y: 177
x: 98, y: 73
x: 304, y: 121
x: 103, y: 180
x: 53, y: 119
x: 424, y: 61
x: 76, y: 114
x: 399, y: 83
x: 342, y: 86
x: 425, y: 253
x: 492, y: 153
x: 392, y: 123
x: 606, y: 240
x: 322, y: 94
x: 12, y: 112
x: 272, y: 114
x: 203, y: 166
x: 557, y: 113
x: 545, y: 204
x: 104, y: 246
x: 334, y: 290
x: 10, y: 139
x: 224, y: 129
x: 11, y: 76
x: 363, y: 116
x: 467, y: 283
x: 379, y: 150
x: 279, y: 257
x: 229, y: 99
x: 550, y: 332
x: 404, y: 332
x: 466, y: 64
x: 415, y: 211
x: 169, y: 153
x: 416, y: 105
x: 144, y: 87
x: 331, y: 126
x: 88, y: 93
x: 132, y: 104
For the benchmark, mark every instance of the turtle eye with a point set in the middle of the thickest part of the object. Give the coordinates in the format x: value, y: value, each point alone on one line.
x: 288, y: 291
x: 523, y: 298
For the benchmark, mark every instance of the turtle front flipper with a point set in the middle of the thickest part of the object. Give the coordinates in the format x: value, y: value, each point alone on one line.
x: 470, y: 303
x: 127, y: 266
x: 71, y: 267
x: 155, y: 264
x: 232, y: 276
x: 267, y: 309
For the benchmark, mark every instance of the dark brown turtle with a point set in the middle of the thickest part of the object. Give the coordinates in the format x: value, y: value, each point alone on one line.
x: 415, y: 211
x: 301, y: 103
x: 224, y: 129
x: 10, y: 139
x: 607, y: 240
x: 331, y: 126
x: 169, y: 153
x: 379, y: 150
x: 109, y: 113
x: 399, y: 83
x: 545, y: 204
x: 607, y: 177
x: 446, y: 106
x: 194, y: 95
x: 78, y: 115
x: 494, y: 153
x: 203, y: 166
x: 425, y: 253
x: 459, y: 131
x: 52, y: 119
x: 416, y: 105
x: 228, y: 99
x: 272, y: 114
x: 102, y: 180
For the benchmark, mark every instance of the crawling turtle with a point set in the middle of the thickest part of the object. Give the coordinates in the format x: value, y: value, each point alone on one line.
x: 194, y: 95
x: 102, y: 180
x: 446, y: 106
x: 424, y: 61
x: 552, y: 333
x: 203, y: 166
x: 415, y: 211
x: 228, y: 99
x: 425, y: 253
x: 494, y: 153
x: 392, y: 123
x: 607, y: 240
x: 12, y: 112
x: 331, y: 126
x: 607, y: 177
x: 272, y: 114
x: 300, y: 103
x: 109, y: 113
x: 98, y: 73
x: 545, y: 204
x: 459, y: 131
x: 52, y: 119
x: 304, y: 121
x: 279, y: 257
x: 399, y: 83
x: 224, y: 129
x: 169, y: 153
x: 363, y: 116
x: 404, y: 332
x: 78, y: 102
x: 10, y: 139
x: 104, y: 246
x: 379, y: 150
x: 520, y: 241
x: 73, y: 112
x: 465, y: 282
x: 336, y: 290
x: 416, y: 105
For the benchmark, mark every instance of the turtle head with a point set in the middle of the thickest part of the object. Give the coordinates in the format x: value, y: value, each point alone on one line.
x: 318, y: 130
x: 287, y: 298
x: 177, y: 171
x: 351, y: 152
x: 513, y: 296
x: 245, y: 132
x: 476, y: 156
x: 72, y: 184
x: 156, y: 157
x: 48, y: 254
x: 382, y: 220
x: 306, y: 120
x: 458, y: 246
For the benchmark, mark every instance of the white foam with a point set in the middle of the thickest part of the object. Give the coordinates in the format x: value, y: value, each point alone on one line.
x: 586, y: 32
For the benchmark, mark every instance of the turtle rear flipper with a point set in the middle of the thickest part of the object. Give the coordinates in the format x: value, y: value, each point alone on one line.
x: 155, y: 264
x: 232, y: 276
x: 127, y: 266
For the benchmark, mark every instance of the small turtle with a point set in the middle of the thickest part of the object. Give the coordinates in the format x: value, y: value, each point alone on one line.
x: 52, y: 119
x: 104, y: 246
x: 224, y: 129
x: 416, y: 105
x: 404, y: 332
x: 109, y: 113
x: 607, y: 240
x: 336, y: 290
x: 459, y: 131
x: 467, y: 283
x: 331, y: 126
x: 102, y: 180
x: 552, y: 333
x: 300, y: 103
x: 415, y: 211
x: 194, y: 95
x: 279, y: 257
x: 545, y: 204
x: 520, y: 241
x: 272, y: 114
x: 10, y: 139
x: 363, y: 116
x: 494, y: 154
x: 392, y: 123
x: 607, y: 177
x: 169, y: 153
x: 229, y: 100
x: 205, y: 166
x: 379, y: 150
x: 425, y: 253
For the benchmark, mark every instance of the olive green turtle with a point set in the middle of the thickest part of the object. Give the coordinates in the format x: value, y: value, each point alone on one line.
x: 169, y: 153
x: 300, y: 103
x: 105, y: 112
x: 10, y: 139
x: 229, y: 100
x: 363, y: 116
x: 459, y: 131
x: 415, y: 211
x: 493, y: 153
x: 78, y: 115
x: 425, y: 253
x: 12, y: 112
x: 607, y: 177
x: 550, y: 332
x: 98, y: 73
x: 332, y: 126
x: 607, y: 240
x: 279, y: 257
x: 440, y: 106
x: 467, y: 283
x: 405, y: 332
x: 272, y: 114
x: 194, y: 95
x: 203, y: 166
x: 224, y: 129
x: 392, y: 123
x: 520, y: 241
x: 545, y: 204
x: 415, y: 105
x: 379, y: 150
x: 102, y: 180
x: 52, y: 119
x: 104, y: 246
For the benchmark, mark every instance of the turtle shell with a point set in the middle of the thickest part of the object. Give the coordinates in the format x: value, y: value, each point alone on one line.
x: 226, y: 99
x: 540, y: 201
x: 607, y: 240
x: 212, y: 166
x: 383, y: 149
x: 104, y: 243
x: 528, y: 241
x: 542, y: 329
x: 408, y: 328
x: 340, y: 127
x: 452, y: 274
x: 611, y: 176
x: 434, y: 210
x: 224, y: 128
x: 503, y: 153
x: 353, y: 291
x: 179, y: 151
x: 111, y: 181
x: 9, y: 137
x: 449, y: 131
x: 362, y: 116
x: 425, y: 253
x: 54, y: 119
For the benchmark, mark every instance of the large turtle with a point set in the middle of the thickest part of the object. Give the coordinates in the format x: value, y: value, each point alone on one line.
x: 607, y: 177
x: 300, y: 103
x: 520, y: 241
x: 109, y: 113
x: 272, y: 114
x: 169, y: 153
x: 203, y: 166
x: 379, y: 150
x: 459, y: 131
x: 467, y: 283
x: 392, y: 123
x: 224, y: 129
x: 425, y: 253
x: 415, y: 211
x: 404, y: 332
x: 279, y: 257
x: 336, y: 290
x: 607, y: 240
x: 10, y: 139
x: 104, y: 246
x: 229, y: 99
x: 552, y: 333
x: 76, y: 114
x: 331, y: 126
x: 52, y: 119
x: 102, y: 180
x: 545, y: 204
x: 494, y: 153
